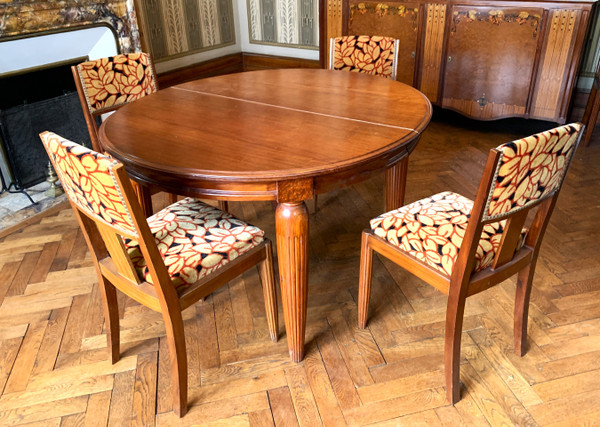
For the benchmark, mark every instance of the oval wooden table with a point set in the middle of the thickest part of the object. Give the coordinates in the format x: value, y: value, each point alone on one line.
x: 283, y: 135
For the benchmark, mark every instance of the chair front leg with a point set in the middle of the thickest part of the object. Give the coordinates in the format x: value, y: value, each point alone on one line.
x: 178, y: 358
x: 270, y: 293
x: 364, y: 284
x: 454, y: 319
x: 111, y: 316
x: 523, y: 292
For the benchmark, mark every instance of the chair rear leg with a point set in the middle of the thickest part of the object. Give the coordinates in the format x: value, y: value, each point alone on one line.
x: 111, y: 316
x: 270, y: 294
x: 524, y: 281
x: 454, y: 320
x: 178, y: 358
x: 364, y: 284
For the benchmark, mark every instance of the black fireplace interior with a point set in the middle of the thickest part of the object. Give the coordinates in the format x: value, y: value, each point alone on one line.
x: 33, y: 102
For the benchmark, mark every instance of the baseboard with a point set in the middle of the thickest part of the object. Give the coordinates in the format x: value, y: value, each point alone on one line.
x: 228, y: 64
x: 224, y: 65
x: 253, y: 61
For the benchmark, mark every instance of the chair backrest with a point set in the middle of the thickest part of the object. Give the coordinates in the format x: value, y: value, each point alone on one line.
x: 520, y: 176
x: 531, y: 169
x: 107, y: 84
x: 376, y: 55
x: 106, y: 206
x: 89, y: 181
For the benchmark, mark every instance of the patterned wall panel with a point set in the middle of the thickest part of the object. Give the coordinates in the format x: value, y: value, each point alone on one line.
x: 175, y: 28
x: 293, y: 23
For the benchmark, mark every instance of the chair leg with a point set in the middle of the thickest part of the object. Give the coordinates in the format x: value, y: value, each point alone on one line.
x: 111, y: 316
x: 454, y: 320
x: 178, y: 358
x: 364, y: 284
x: 315, y: 199
x: 172, y: 198
x: 270, y: 294
x: 524, y: 281
x: 224, y: 205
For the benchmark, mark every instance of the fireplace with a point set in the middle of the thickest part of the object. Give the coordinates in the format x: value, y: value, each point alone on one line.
x: 38, y: 94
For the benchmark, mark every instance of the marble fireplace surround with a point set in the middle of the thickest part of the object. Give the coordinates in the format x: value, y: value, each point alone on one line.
x: 20, y: 17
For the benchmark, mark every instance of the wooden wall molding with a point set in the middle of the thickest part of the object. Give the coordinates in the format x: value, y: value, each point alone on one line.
x: 233, y: 63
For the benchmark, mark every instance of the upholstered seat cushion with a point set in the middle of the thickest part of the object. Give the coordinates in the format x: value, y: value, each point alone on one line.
x: 432, y: 231
x: 194, y: 240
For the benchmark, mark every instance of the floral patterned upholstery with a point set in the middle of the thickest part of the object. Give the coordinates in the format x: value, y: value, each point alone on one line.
x: 432, y: 230
x: 531, y: 168
x: 88, y: 181
x: 114, y: 81
x: 194, y: 240
x: 364, y: 54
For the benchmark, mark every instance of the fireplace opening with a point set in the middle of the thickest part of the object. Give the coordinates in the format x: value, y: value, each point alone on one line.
x: 34, y: 101
x: 38, y: 94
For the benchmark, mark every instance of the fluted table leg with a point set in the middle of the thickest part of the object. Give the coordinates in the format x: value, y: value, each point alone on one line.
x: 144, y: 197
x: 395, y: 184
x: 291, y: 221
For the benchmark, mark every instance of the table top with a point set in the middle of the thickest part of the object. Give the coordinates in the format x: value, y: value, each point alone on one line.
x: 268, y: 125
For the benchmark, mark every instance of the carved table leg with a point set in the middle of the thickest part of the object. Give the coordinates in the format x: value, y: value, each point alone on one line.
x: 143, y: 194
x: 395, y: 184
x: 291, y: 221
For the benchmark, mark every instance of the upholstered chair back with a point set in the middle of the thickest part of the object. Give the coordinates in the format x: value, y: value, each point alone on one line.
x: 375, y: 55
x: 531, y: 169
x: 109, y: 83
x: 89, y: 181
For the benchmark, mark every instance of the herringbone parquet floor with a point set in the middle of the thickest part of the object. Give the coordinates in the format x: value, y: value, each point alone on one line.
x: 53, y: 361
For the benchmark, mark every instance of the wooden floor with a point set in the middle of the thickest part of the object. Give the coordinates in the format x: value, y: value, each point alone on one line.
x: 53, y: 358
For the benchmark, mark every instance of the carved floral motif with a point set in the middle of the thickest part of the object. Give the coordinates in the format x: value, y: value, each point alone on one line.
x: 496, y: 17
x: 382, y: 9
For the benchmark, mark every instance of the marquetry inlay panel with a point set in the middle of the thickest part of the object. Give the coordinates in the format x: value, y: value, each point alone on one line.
x: 557, y: 54
x: 334, y: 22
x: 433, y: 50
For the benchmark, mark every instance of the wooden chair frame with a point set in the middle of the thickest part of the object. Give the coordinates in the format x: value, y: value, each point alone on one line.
x: 115, y: 270
x: 92, y: 125
x: 90, y: 117
x: 462, y: 283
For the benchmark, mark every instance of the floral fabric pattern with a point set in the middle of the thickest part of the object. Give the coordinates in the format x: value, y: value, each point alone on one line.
x: 195, y: 239
x: 364, y: 54
x: 432, y: 230
x: 531, y: 168
x: 87, y: 179
x: 114, y: 81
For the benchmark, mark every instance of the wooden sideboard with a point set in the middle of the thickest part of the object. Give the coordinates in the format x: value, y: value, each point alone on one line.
x: 484, y: 59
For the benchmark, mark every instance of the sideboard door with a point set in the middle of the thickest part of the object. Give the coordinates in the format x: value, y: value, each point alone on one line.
x: 490, y: 60
x: 396, y: 19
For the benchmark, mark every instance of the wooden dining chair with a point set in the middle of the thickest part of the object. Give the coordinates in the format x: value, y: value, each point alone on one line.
x: 375, y: 55
x: 463, y: 247
x: 166, y: 262
x: 107, y: 84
